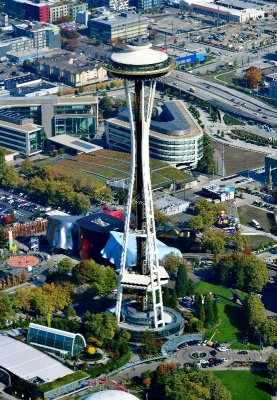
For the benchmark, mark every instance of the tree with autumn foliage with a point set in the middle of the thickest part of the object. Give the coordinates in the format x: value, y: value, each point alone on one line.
x: 253, y: 76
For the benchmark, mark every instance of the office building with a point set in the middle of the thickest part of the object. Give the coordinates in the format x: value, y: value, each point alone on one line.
x: 43, y: 11
x: 28, y: 10
x: 42, y: 35
x: 175, y: 137
x: 14, y: 45
x: 20, y: 133
x: 122, y: 26
x: 77, y: 116
x: 146, y: 5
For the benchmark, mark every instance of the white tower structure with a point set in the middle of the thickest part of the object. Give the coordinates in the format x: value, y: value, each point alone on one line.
x: 140, y: 64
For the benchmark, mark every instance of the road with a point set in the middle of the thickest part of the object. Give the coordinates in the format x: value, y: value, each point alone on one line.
x: 223, y: 97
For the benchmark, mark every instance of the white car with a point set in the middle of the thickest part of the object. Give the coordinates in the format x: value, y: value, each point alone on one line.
x: 222, y: 348
x: 223, y: 359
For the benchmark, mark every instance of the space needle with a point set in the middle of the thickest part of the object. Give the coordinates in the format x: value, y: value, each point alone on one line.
x: 141, y: 65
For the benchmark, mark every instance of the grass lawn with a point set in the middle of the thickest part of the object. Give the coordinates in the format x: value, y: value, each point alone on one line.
x: 173, y: 174
x: 239, y: 160
x: 265, y: 219
x: 255, y: 241
x: 230, y: 120
x: 226, y: 77
x: 245, y: 385
x: 231, y: 315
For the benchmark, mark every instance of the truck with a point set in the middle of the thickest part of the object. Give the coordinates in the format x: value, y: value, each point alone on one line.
x: 192, y: 89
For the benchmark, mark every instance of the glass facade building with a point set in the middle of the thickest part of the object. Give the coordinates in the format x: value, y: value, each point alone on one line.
x: 60, y: 342
x: 174, y: 137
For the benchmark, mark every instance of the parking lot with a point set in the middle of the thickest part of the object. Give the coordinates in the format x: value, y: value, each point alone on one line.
x: 19, y: 205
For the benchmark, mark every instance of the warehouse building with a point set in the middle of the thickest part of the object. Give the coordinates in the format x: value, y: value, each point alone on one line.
x: 227, y: 13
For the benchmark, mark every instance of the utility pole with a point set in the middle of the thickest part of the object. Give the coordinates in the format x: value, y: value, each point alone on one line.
x: 223, y: 159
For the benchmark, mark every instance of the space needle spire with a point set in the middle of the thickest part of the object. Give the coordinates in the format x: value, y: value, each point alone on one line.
x: 139, y: 64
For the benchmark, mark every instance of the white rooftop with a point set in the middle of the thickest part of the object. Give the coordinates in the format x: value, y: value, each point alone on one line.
x: 139, y: 55
x: 74, y: 143
x: 111, y: 395
x: 27, y: 363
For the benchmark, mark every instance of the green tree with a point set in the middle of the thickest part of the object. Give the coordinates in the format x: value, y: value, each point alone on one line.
x: 182, y: 281
x: 101, y: 279
x: 150, y: 346
x: 255, y: 312
x: 6, y: 309
x: 173, y: 299
x: 196, y: 223
x: 214, y: 241
x: 100, y: 326
x: 27, y: 167
x: 166, y: 297
x: 64, y: 266
x: 207, y: 164
x: 171, y: 262
x: 3, y: 240
x: 209, y: 312
x: 238, y: 241
x: 272, y: 367
x: 105, y: 103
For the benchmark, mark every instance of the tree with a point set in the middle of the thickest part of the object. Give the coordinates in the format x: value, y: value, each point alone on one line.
x: 207, y: 164
x: 171, y: 262
x: 182, y: 281
x: 214, y: 241
x: 166, y: 297
x: 81, y: 204
x: 173, y: 299
x: 101, y: 279
x: 150, y: 346
x: 196, y: 223
x: 51, y: 298
x: 100, y: 326
x: 209, y: 312
x: 269, y: 331
x: 6, y: 309
x: 71, y: 44
x: 243, y: 271
x: 272, y: 367
x: 194, y: 385
x: 252, y: 76
x: 64, y: 266
x: 3, y: 240
x: 255, y: 312
x: 105, y: 103
x: 27, y: 167
x: 238, y: 241
x: 161, y: 218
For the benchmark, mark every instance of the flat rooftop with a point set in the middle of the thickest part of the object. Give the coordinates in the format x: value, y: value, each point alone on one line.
x: 69, y: 63
x: 22, y: 79
x: 29, y: 363
x: 174, y: 122
x: 115, y: 20
x: 75, y: 143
